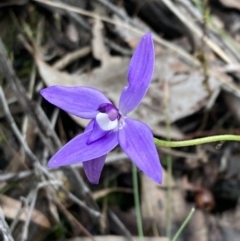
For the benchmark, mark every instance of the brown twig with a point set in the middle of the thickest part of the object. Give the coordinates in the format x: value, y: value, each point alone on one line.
x: 114, y: 218
x: 94, y: 214
x: 14, y: 127
x: 7, y: 177
x: 140, y: 31
x: 33, y: 197
x: 73, y: 219
x: 34, y: 158
x: 37, y: 115
x: 197, y: 31
x: 70, y: 57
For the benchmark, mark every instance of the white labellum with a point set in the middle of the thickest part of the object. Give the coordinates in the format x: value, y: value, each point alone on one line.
x: 105, y: 123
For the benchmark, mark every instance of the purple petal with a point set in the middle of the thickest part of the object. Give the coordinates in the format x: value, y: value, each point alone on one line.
x: 136, y: 140
x: 79, y: 101
x: 77, y: 150
x: 140, y: 73
x: 93, y: 169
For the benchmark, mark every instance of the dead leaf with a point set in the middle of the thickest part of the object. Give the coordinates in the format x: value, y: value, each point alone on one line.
x: 187, y: 88
x: 72, y: 33
x: 231, y: 3
x: 10, y: 209
x: 231, y: 219
x: 155, y: 205
x: 99, y: 48
x: 130, y: 37
x: 198, y: 227
x: 104, y: 192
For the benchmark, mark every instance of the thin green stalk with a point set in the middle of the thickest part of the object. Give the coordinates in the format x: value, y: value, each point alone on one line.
x: 198, y: 141
x: 183, y: 225
x: 169, y: 163
x: 137, y: 202
x: 169, y: 196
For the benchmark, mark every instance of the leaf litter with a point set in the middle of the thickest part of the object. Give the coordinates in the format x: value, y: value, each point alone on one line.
x: 202, y: 100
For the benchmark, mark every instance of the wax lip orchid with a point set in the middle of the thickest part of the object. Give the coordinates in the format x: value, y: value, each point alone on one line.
x: 109, y: 125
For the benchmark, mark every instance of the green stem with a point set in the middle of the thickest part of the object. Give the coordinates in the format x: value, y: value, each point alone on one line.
x: 169, y: 196
x: 183, y: 225
x: 198, y: 141
x: 137, y: 203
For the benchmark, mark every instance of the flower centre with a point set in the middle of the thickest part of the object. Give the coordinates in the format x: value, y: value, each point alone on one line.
x: 108, y: 117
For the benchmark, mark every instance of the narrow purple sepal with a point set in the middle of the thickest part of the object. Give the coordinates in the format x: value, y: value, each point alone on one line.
x: 77, y: 150
x: 89, y: 126
x: 140, y: 73
x: 79, y: 101
x: 136, y: 140
x: 93, y: 169
x: 96, y: 133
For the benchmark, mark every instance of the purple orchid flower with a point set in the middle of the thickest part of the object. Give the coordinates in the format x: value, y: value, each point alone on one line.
x: 109, y: 125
